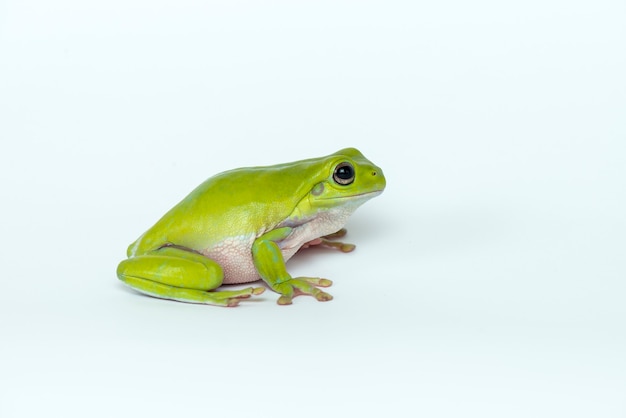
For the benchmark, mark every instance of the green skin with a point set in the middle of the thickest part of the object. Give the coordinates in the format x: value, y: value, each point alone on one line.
x: 243, y: 225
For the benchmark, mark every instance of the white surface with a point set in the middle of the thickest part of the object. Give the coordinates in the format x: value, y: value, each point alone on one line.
x: 489, y: 278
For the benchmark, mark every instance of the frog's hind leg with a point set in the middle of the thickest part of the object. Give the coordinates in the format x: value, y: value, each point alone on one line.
x: 327, y: 241
x: 181, y: 275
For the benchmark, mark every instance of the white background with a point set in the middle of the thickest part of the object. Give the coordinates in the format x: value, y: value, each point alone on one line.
x: 488, y: 280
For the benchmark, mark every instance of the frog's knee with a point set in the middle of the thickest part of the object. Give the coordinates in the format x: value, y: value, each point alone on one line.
x: 121, y: 270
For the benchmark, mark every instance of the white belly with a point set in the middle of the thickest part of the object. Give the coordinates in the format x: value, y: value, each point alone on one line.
x: 234, y: 255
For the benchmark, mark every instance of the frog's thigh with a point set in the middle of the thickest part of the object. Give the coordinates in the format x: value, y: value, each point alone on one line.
x: 172, y: 273
x: 174, y: 267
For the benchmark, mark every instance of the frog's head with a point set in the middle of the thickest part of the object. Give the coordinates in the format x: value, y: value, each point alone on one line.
x: 347, y: 177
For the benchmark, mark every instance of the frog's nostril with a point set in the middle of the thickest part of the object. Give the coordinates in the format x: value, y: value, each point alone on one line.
x: 374, y: 173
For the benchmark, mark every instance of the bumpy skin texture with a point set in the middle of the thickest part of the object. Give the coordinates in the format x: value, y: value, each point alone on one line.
x: 243, y: 225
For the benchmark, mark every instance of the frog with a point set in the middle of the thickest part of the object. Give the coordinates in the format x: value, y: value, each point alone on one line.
x: 243, y: 225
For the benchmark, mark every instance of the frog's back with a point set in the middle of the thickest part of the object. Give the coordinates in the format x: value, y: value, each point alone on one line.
x: 242, y: 203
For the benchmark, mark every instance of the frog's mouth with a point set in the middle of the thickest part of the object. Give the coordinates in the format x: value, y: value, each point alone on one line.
x: 365, y: 194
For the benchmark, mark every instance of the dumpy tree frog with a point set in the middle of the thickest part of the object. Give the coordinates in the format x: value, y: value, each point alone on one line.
x: 243, y: 225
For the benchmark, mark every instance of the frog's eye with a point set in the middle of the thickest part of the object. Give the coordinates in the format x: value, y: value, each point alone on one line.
x: 344, y: 174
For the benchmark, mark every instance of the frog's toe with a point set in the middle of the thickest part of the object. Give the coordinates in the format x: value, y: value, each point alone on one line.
x: 316, y: 281
x: 323, y: 296
x: 344, y: 247
x: 231, y: 303
x: 285, y: 300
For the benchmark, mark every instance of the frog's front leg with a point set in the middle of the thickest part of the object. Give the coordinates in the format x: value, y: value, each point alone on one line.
x: 182, y: 275
x: 270, y: 264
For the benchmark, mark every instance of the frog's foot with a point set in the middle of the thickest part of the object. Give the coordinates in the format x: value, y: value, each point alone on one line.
x: 231, y: 298
x: 327, y: 241
x: 228, y: 298
x: 302, y: 286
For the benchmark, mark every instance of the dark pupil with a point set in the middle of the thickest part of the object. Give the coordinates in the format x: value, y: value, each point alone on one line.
x: 344, y: 173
